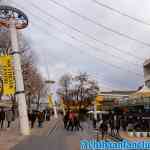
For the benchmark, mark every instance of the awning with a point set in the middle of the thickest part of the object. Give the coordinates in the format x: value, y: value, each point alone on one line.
x: 98, y: 112
x: 144, y: 92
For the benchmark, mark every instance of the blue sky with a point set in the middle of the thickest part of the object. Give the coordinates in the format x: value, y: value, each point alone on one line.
x: 61, y: 49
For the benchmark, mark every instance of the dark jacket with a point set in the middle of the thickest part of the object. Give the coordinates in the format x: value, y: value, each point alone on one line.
x: 2, y: 115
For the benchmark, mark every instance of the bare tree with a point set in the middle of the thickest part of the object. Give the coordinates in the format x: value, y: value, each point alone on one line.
x: 81, y: 90
x: 33, y: 81
x: 65, y: 82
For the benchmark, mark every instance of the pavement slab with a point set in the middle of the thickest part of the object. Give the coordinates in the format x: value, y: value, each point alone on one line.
x: 10, y: 137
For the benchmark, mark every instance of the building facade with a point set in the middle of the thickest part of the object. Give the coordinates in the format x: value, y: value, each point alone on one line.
x: 146, y: 68
x: 114, y: 98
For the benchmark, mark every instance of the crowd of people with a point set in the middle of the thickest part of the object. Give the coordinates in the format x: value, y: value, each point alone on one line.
x: 39, y: 117
x: 112, y: 124
x: 7, y: 116
x: 72, y: 121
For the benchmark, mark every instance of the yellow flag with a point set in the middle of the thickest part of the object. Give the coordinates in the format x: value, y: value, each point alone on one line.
x: 7, y: 75
x: 50, y: 102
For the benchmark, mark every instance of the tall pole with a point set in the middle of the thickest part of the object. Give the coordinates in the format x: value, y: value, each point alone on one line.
x: 49, y: 84
x: 54, y: 108
x: 50, y: 87
x: 95, y: 110
x: 20, y: 95
x: 55, y: 111
x: 63, y: 109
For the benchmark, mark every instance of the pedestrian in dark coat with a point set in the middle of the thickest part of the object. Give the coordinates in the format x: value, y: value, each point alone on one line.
x: 117, y: 126
x: 40, y: 117
x: 104, y: 129
x: 33, y: 119
x: 94, y: 123
x: 48, y: 115
x: 2, y: 117
x: 9, y: 117
x: 77, y: 124
x: 65, y: 120
x: 111, y: 123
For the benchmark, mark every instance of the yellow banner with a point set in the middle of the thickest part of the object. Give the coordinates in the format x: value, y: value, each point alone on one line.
x: 99, y: 99
x: 50, y: 101
x: 61, y: 103
x: 7, y: 75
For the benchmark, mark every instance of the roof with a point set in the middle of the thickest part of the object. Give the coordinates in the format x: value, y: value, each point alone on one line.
x: 145, y: 91
x: 128, y: 92
x: 147, y: 63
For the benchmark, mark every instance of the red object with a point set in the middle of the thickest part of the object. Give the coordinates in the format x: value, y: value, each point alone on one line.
x: 125, y: 109
x: 71, y: 115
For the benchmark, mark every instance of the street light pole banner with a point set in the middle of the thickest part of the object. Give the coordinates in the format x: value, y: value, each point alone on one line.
x: 62, y: 104
x: 7, y: 75
x: 50, y: 102
x: 98, y: 102
x: 99, y: 99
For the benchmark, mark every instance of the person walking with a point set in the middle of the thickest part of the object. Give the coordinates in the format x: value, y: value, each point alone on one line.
x: 117, y: 126
x: 9, y: 117
x: 66, y: 119
x: 40, y: 117
x: 77, y: 124
x: 124, y: 124
x: 104, y: 129
x: 71, y: 121
x: 111, y: 124
x: 33, y: 118
x: 2, y: 117
x: 94, y: 123
x: 47, y: 115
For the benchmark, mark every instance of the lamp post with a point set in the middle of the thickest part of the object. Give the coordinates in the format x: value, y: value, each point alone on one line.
x: 95, y: 111
x: 14, y: 19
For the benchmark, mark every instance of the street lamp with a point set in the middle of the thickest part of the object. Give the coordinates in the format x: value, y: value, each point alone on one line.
x: 13, y: 18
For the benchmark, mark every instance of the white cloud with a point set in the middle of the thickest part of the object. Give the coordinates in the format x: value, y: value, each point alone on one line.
x: 61, y: 57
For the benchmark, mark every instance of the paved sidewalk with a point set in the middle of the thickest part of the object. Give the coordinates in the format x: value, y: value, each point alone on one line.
x: 58, y: 139
x: 10, y: 137
x: 47, y: 127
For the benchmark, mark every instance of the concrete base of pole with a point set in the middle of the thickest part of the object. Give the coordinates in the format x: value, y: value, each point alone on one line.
x: 24, y: 123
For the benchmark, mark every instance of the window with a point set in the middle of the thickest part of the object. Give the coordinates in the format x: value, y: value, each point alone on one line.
x: 148, y: 83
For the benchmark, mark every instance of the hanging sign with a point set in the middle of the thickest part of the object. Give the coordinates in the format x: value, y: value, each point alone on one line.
x: 7, y: 75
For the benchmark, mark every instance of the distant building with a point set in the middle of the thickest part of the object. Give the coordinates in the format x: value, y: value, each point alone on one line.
x: 115, y: 98
x: 147, y: 72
